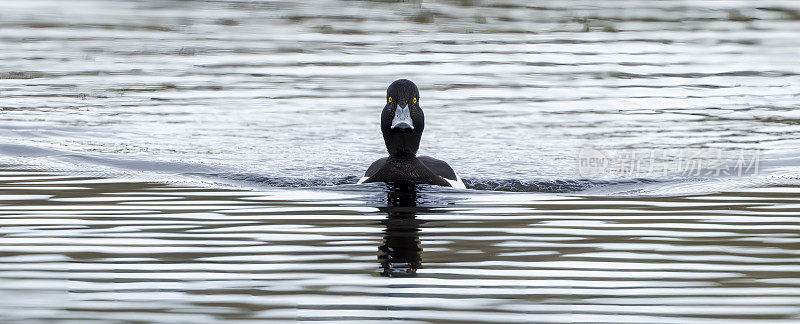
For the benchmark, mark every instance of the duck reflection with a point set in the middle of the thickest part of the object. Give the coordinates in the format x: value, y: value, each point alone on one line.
x: 399, y: 254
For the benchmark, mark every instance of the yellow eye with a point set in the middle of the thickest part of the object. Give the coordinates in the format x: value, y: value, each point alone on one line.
x: 390, y: 99
x: 415, y: 100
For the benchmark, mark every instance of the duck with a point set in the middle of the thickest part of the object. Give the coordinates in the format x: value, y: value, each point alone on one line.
x: 402, y: 123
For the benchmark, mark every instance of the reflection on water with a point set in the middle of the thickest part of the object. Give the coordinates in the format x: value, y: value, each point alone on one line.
x: 87, y: 249
x: 400, y: 252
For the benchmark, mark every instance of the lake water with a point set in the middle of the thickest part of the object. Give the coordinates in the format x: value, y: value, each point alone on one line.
x: 191, y: 162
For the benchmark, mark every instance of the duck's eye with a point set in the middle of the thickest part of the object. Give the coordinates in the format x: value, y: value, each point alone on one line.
x: 390, y: 99
x: 415, y: 100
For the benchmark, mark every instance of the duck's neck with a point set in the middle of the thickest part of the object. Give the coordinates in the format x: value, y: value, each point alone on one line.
x: 402, y: 156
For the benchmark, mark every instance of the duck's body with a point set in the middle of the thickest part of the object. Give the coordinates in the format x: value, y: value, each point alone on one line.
x: 421, y: 170
x: 402, y: 122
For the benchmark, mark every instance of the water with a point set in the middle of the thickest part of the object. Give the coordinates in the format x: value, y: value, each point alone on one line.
x: 88, y: 249
x: 185, y: 161
x: 291, y: 93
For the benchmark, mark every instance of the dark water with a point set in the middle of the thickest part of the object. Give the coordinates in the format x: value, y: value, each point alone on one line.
x: 193, y: 161
x: 87, y: 249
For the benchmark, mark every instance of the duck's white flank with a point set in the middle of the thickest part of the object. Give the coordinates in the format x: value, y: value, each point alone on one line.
x: 457, y: 183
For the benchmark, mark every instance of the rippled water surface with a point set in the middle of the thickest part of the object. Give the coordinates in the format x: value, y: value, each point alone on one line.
x: 290, y: 93
x: 195, y: 161
x: 88, y: 249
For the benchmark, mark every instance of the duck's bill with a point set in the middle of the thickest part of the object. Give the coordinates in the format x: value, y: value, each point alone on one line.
x: 402, y: 119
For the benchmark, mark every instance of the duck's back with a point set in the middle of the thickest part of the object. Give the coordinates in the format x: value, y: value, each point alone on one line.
x: 442, y: 169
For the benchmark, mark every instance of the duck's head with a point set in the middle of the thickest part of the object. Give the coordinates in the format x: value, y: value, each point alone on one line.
x: 402, y: 120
